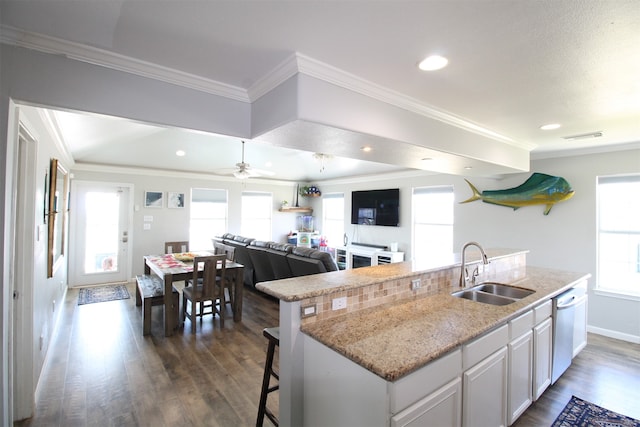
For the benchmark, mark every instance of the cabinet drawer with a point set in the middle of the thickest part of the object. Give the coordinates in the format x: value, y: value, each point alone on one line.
x: 424, y: 381
x: 521, y: 325
x: 482, y: 347
x: 542, y: 312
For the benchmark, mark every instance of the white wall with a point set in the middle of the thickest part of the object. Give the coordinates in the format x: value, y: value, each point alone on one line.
x: 173, y: 224
x: 564, y: 239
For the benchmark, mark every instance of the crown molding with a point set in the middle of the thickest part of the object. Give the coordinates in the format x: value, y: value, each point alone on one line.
x: 333, y: 75
x: 51, y: 124
x: 166, y: 173
x: 285, y: 70
x: 114, y: 61
x: 295, y: 63
x: 554, y: 154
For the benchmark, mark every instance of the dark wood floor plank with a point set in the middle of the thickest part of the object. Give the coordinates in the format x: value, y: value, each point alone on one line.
x: 101, y: 370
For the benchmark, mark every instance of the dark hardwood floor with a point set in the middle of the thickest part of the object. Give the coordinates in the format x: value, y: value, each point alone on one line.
x: 102, y: 372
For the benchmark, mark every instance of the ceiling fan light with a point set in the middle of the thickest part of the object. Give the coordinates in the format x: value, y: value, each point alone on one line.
x: 243, y: 174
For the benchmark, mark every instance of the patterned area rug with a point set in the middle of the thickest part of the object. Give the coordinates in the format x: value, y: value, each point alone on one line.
x: 581, y: 413
x: 102, y: 294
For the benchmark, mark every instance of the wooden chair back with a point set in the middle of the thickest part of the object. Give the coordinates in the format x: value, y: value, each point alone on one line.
x: 213, y: 266
x: 220, y: 248
x: 176, y: 247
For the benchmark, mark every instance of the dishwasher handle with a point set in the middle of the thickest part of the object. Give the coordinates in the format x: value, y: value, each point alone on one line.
x: 571, y: 302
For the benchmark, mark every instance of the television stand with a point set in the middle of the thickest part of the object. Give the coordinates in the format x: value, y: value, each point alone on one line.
x: 369, y: 245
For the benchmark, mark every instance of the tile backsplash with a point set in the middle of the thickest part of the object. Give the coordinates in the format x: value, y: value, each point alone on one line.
x: 505, y: 269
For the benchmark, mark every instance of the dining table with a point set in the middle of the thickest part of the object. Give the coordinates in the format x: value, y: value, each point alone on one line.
x: 178, y: 267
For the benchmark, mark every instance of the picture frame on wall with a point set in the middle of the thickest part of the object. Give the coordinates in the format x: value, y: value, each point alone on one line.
x: 153, y: 199
x: 175, y: 200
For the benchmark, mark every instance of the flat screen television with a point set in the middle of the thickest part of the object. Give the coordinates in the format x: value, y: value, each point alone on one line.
x: 376, y: 207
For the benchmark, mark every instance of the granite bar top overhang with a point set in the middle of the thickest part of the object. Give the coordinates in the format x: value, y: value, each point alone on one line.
x: 303, y: 287
x: 395, y: 340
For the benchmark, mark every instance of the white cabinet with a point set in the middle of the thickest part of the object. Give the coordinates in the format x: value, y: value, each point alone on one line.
x: 484, y: 394
x: 484, y: 380
x: 441, y: 408
x: 520, y: 365
x: 520, y: 375
x: 337, y: 391
x: 542, y: 339
x: 348, y: 257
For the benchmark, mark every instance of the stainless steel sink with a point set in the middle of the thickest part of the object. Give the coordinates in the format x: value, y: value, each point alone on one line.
x: 493, y: 293
x: 503, y: 290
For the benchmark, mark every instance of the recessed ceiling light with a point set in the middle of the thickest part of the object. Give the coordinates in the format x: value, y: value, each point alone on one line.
x: 550, y: 126
x: 433, y: 63
x: 180, y: 153
x: 427, y: 159
x: 468, y: 168
x: 268, y: 164
x: 366, y: 148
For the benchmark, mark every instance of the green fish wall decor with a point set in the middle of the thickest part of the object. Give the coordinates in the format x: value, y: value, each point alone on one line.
x: 539, y: 189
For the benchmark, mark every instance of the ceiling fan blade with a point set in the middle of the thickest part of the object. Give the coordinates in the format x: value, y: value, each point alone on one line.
x: 261, y: 172
x: 244, y: 170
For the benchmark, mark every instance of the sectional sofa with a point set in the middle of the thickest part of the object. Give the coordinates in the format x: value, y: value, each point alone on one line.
x: 264, y: 261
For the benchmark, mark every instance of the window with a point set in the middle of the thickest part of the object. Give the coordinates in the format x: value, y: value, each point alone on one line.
x: 333, y: 218
x: 256, y: 215
x: 208, y: 217
x: 432, y: 222
x: 619, y: 234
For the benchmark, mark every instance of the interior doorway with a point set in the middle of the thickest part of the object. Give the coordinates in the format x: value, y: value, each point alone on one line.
x: 102, y: 217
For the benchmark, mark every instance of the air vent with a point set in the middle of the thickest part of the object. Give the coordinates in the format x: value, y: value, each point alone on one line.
x: 597, y: 134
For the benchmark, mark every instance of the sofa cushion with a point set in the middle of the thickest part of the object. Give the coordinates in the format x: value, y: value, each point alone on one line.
x: 257, y: 250
x: 277, y: 254
x: 242, y: 257
x: 304, y: 266
x: 325, y: 257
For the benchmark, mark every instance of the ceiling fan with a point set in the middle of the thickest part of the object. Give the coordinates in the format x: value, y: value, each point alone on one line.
x: 244, y: 170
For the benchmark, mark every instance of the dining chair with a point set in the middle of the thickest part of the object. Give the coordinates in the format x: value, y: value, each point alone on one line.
x: 220, y: 248
x: 176, y: 247
x: 205, y: 289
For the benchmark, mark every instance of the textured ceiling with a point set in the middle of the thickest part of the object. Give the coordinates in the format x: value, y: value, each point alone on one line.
x: 514, y: 65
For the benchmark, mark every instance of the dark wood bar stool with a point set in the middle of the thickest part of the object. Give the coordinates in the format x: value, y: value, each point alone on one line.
x: 273, y: 335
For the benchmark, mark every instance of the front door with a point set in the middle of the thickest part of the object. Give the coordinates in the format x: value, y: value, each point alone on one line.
x: 101, y: 220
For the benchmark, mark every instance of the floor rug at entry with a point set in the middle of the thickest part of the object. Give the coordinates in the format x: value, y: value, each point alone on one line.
x: 579, y: 412
x: 102, y: 294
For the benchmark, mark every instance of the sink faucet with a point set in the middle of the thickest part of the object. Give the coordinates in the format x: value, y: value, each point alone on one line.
x: 464, y: 278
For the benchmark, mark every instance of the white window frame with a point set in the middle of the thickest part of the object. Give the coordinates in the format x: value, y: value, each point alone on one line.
x: 217, y: 225
x: 444, y: 222
x: 333, y: 219
x: 256, y: 215
x: 620, y: 218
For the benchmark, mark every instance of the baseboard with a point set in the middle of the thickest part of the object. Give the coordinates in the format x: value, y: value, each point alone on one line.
x: 614, y: 334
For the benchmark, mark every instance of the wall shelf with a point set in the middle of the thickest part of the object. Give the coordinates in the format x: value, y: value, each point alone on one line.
x: 298, y: 209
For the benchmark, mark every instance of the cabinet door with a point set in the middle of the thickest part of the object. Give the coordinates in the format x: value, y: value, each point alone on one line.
x: 580, y: 326
x: 542, y: 341
x: 484, y: 392
x: 440, y: 408
x: 520, y: 375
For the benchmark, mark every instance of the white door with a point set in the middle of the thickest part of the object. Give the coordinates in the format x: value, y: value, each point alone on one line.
x: 101, y: 218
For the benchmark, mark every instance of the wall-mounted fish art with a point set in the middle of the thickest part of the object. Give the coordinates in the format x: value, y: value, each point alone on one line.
x: 539, y: 189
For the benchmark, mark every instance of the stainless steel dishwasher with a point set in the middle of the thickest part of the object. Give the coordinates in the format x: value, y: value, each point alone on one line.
x: 563, y: 319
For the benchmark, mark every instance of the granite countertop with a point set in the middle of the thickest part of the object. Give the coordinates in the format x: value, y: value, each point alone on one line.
x: 395, y: 340
x: 315, y: 285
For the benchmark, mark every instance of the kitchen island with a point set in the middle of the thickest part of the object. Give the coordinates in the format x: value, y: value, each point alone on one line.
x: 390, y: 327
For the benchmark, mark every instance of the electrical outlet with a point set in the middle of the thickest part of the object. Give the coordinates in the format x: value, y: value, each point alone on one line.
x: 308, y: 311
x: 416, y: 284
x: 339, y: 303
